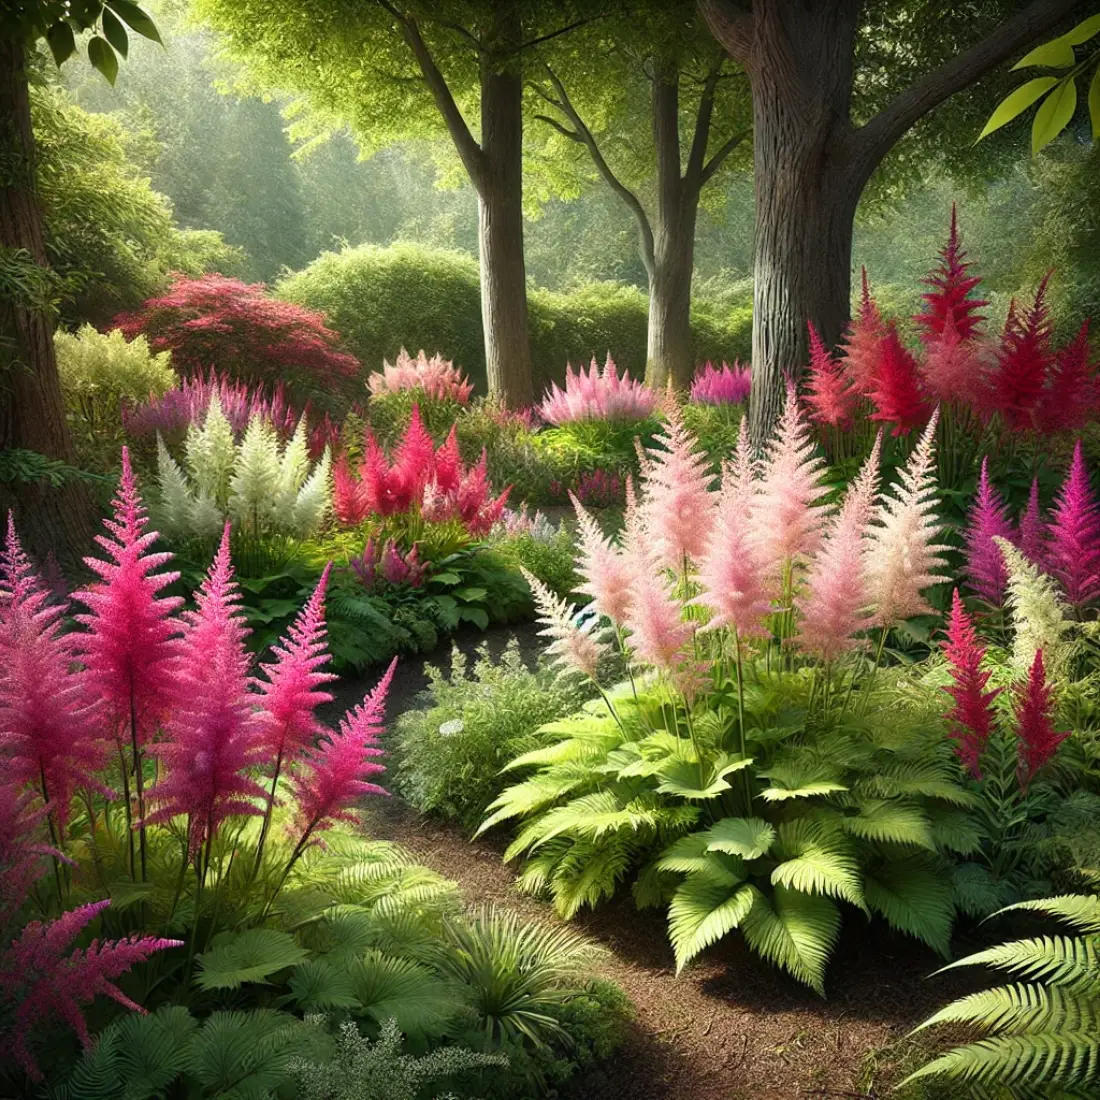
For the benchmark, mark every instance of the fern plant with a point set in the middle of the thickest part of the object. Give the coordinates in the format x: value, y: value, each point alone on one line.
x: 1042, y: 1032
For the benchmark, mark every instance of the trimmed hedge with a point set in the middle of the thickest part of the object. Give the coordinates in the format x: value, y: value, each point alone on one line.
x: 383, y: 299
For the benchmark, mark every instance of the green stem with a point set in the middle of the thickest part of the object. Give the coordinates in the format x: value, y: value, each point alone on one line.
x: 139, y: 778
x: 742, y: 742
x: 127, y: 807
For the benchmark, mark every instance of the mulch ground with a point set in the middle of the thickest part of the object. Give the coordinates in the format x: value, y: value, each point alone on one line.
x: 730, y: 1027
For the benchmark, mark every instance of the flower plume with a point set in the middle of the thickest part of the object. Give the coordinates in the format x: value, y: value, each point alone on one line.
x: 970, y: 720
x: 987, y: 520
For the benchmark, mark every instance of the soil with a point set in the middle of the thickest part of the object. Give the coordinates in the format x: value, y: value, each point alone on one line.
x: 730, y: 1027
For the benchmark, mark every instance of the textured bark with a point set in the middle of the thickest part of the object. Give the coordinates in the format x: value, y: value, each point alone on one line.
x: 32, y: 412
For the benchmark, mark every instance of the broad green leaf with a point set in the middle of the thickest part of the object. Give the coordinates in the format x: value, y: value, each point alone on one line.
x: 688, y: 780
x: 1094, y: 102
x: 685, y: 855
x: 251, y: 956
x: 1053, y: 115
x: 1086, y: 29
x: 817, y: 860
x: 1055, y: 54
x: 115, y: 32
x: 706, y: 907
x: 747, y: 837
x: 447, y: 578
x: 317, y: 985
x: 1016, y: 102
x: 795, y: 931
x: 470, y: 595
x: 476, y: 615
x: 103, y: 58
x: 136, y: 19
x: 916, y: 897
x: 810, y: 790
x: 61, y: 41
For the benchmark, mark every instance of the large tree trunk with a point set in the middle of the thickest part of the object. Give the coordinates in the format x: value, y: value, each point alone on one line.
x: 32, y: 413
x: 500, y: 225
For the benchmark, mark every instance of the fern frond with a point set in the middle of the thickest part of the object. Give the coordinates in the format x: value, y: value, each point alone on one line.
x: 915, y: 897
x: 1022, y: 1008
x: 890, y: 822
x: 1079, y: 910
x: 535, y: 793
x: 1057, y: 960
x: 795, y: 931
x: 816, y: 860
x: 708, y: 905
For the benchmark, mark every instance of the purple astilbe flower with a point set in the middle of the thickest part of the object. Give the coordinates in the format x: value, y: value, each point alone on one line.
x: 215, y: 739
x: 728, y: 386
x: 987, y: 519
x: 1032, y: 537
x: 49, y: 724
x: 42, y: 984
x: 1073, y: 556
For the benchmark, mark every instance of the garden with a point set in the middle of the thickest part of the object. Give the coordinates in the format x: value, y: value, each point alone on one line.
x: 420, y: 682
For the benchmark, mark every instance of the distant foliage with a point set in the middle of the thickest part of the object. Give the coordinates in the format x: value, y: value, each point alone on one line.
x: 728, y: 386
x: 598, y: 395
x: 437, y: 378
x: 214, y: 323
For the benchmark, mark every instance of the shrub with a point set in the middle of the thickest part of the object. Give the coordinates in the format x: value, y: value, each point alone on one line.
x: 217, y: 324
x: 716, y: 428
x: 598, y: 396
x: 102, y: 376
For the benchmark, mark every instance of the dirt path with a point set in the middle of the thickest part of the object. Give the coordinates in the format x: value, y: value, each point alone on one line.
x: 730, y: 1027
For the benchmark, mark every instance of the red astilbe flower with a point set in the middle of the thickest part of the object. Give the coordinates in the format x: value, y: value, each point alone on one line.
x: 862, y: 340
x: 132, y: 635
x: 22, y: 858
x: 1024, y: 360
x: 987, y: 519
x: 413, y: 460
x: 948, y: 303
x: 829, y: 392
x: 49, y: 723
x: 215, y: 738
x: 1069, y: 401
x: 1073, y: 553
x: 970, y: 720
x: 333, y: 777
x: 894, y: 389
x: 1032, y: 538
x: 1037, y: 739
x: 447, y: 463
x: 955, y: 369
x: 43, y: 984
x: 472, y: 502
x: 350, y: 502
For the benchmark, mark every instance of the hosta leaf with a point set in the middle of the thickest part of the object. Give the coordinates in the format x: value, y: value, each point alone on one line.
x: 816, y: 860
x: 747, y: 837
x: 687, y: 780
x: 706, y: 906
x: 252, y: 956
x: 795, y: 931
x: 317, y: 985
x: 915, y: 897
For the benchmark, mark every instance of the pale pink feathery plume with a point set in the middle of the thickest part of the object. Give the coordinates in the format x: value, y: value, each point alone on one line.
x: 1073, y: 548
x: 1037, y: 739
x: 987, y: 519
x: 437, y: 377
x: 863, y: 340
x: 970, y: 720
x: 954, y: 368
x: 1033, y: 529
x: 44, y: 984
x: 783, y: 520
x: 49, y: 721
x: 677, y: 501
x: 902, y: 554
x: 572, y: 648
x: 833, y: 604
x: 603, y: 567
x: 215, y: 738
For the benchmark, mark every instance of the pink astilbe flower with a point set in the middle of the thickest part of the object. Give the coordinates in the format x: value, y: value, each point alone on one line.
x: 436, y: 377
x: 970, y: 720
x: 1073, y: 552
x: 49, y: 723
x: 215, y: 739
x: 350, y: 501
x: 829, y: 391
x: 604, y: 568
x: 987, y: 519
x: 1037, y: 739
x: 572, y: 648
x: 1024, y: 360
x: 596, y: 396
x: 22, y: 857
x: 1033, y: 529
x: 43, y: 984
x: 948, y: 303
x: 902, y: 554
x: 1069, y: 400
x: 895, y: 389
x: 414, y: 458
x: 132, y: 635
x: 833, y: 606
x: 728, y: 386
x: 473, y: 501
x: 863, y: 339
x: 333, y: 776
x: 954, y: 368
x: 783, y: 520
x: 678, y: 505
x: 447, y: 464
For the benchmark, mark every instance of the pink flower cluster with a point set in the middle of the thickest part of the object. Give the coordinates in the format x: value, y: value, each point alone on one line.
x: 1021, y: 378
x: 436, y: 377
x: 594, y: 488
x: 435, y: 483
x: 728, y: 386
x: 598, y: 395
x: 384, y: 562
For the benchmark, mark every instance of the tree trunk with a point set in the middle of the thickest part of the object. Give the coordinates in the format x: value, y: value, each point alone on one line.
x: 500, y: 225
x: 32, y: 412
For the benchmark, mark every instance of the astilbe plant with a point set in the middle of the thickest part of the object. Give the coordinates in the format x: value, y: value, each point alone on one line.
x: 598, y: 395
x: 1019, y: 378
x: 728, y: 386
x: 830, y: 393
x: 948, y: 303
x: 1073, y: 546
x: 595, y: 488
x: 437, y: 377
x: 1038, y: 739
x: 382, y: 563
x: 987, y: 520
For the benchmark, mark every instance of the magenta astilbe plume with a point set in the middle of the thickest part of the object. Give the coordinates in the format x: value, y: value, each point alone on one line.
x: 1037, y: 739
x: 22, y: 856
x: 895, y: 387
x: 334, y: 776
x: 216, y: 738
x: 863, y: 339
x: 948, y: 302
x: 473, y: 501
x: 132, y: 631
x: 1023, y: 363
x: 970, y: 720
x: 834, y: 605
x: 678, y: 506
x: 829, y: 391
x: 1069, y: 401
x: 49, y: 725
x: 447, y: 464
x: 43, y: 984
x: 987, y: 519
x: 1033, y: 529
x: 1073, y: 554
x: 604, y: 568
x: 728, y: 386
x: 414, y: 458
x: 350, y: 500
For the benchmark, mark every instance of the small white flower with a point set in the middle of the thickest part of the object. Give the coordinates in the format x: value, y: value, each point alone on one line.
x: 455, y: 725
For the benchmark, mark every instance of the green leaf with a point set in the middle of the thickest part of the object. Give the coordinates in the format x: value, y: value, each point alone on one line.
x: 685, y: 855
x: 682, y: 777
x: 890, y: 822
x: 471, y: 595
x: 916, y: 897
x: 810, y: 790
x: 252, y: 956
x: 476, y: 615
x: 61, y: 40
x: 103, y: 58
x: 747, y: 837
x: 1094, y: 102
x: 115, y: 32
x: 446, y: 578
x: 706, y: 906
x: 136, y: 19
x: 318, y: 986
x: 392, y: 988
x: 1055, y: 54
x: 1086, y: 29
x: 1016, y: 102
x: 816, y: 860
x: 795, y: 931
x: 1053, y: 115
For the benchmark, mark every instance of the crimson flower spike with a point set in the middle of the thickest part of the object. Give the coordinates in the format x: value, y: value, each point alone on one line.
x: 970, y: 720
x: 948, y: 301
x: 1037, y: 739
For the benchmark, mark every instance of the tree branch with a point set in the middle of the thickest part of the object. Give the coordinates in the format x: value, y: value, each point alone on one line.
x: 701, y: 137
x: 880, y: 134
x: 563, y: 130
x: 558, y: 33
x: 720, y: 155
x: 731, y: 24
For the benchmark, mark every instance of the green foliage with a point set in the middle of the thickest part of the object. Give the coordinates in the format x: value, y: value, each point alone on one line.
x: 388, y: 415
x: 472, y: 721
x: 546, y: 554
x: 22, y: 467
x: 716, y: 427
x: 1042, y: 1033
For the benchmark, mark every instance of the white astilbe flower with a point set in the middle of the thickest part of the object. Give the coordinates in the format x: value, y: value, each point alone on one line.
x: 314, y: 498
x: 211, y: 453
x: 204, y: 517
x: 1040, y: 618
x: 293, y: 471
x: 255, y: 478
x: 176, y: 502
x: 572, y: 649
